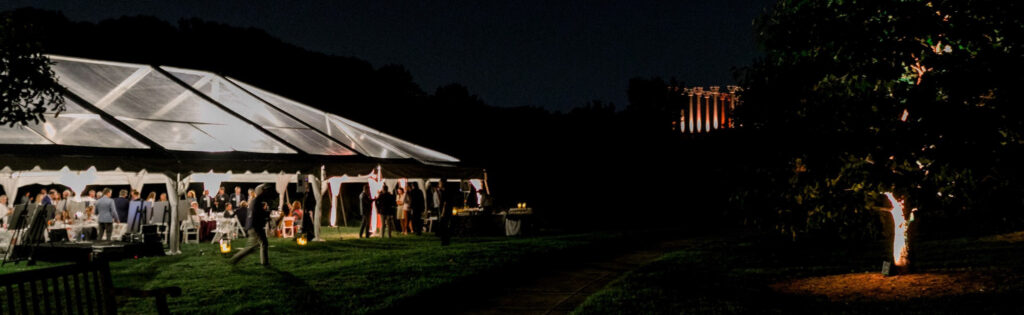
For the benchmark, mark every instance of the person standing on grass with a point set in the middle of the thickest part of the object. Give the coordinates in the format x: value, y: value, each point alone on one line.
x: 387, y: 207
x: 366, y: 210
x: 418, y: 204
x: 106, y: 214
x: 256, y: 218
x: 445, y: 223
x: 403, y: 210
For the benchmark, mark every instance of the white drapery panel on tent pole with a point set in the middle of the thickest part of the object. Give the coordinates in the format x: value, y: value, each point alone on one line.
x: 182, y: 186
x: 9, y: 180
x: 172, y: 192
x: 376, y: 182
x: 318, y: 191
x: 334, y: 183
x: 77, y: 181
x: 136, y: 180
x: 281, y: 184
x: 211, y: 181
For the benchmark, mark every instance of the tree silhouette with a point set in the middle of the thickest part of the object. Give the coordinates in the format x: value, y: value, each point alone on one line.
x: 28, y: 89
x: 860, y: 98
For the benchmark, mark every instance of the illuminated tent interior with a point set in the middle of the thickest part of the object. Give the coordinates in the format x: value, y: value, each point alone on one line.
x: 165, y: 125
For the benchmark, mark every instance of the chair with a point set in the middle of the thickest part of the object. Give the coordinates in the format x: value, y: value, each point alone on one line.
x: 288, y: 226
x: 240, y: 229
x: 161, y: 217
x: 224, y: 229
x: 190, y: 227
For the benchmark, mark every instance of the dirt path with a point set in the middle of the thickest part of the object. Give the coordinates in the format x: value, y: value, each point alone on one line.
x: 564, y: 286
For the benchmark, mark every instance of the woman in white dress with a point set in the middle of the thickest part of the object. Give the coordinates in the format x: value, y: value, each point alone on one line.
x: 404, y: 210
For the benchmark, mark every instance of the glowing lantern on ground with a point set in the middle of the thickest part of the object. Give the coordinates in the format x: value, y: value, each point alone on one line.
x: 225, y: 246
x: 301, y: 240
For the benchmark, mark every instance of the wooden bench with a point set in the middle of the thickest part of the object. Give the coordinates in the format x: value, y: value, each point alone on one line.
x: 82, y: 288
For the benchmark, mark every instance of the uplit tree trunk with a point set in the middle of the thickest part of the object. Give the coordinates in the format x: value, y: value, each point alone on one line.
x: 901, y: 237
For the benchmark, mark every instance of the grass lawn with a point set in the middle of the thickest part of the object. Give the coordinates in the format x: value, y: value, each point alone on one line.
x: 968, y: 275
x: 337, y: 276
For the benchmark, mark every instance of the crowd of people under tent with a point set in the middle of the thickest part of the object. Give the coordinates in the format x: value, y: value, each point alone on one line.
x: 406, y: 207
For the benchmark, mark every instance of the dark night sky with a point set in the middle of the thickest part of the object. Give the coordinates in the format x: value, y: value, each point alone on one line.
x: 554, y: 54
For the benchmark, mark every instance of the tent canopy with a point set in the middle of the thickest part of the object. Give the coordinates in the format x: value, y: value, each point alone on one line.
x: 133, y: 106
x: 173, y: 120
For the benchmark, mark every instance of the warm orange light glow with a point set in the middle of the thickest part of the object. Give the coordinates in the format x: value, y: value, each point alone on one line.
x: 900, y: 227
x: 700, y: 123
x: 225, y: 246
x: 905, y: 115
x: 301, y: 241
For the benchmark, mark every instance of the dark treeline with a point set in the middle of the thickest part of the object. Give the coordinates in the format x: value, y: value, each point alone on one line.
x: 595, y: 166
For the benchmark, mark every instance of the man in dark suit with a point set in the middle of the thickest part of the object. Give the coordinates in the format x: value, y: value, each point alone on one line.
x: 445, y: 222
x: 220, y: 200
x: 121, y: 204
x: 366, y: 210
x: 206, y: 201
x: 256, y: 218
x: 418, y: 205
x: 237, y: 197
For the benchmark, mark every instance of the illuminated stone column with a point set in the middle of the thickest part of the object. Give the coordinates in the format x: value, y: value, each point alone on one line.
x: 707, y: 111
x: 700, y: 117
x: 689, y: 98
x: 714, y: 105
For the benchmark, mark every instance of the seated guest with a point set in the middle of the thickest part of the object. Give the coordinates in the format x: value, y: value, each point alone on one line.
x: 229, y: 211
x: 88, y: 216
x: 297, y: 214
x: 242, y: 212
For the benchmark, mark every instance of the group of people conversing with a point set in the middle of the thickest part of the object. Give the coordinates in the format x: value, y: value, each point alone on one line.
x: 409, y: 208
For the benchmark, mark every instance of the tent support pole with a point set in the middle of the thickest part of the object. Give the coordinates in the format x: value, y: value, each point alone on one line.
x: 172, y: 193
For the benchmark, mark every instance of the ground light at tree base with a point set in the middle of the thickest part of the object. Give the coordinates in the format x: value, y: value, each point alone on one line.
x: 899, y: 237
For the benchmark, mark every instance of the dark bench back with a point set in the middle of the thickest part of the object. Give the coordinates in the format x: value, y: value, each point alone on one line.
x: 83, y: 288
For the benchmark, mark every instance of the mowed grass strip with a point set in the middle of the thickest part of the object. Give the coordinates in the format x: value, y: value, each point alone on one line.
x: 349, y: 276
x: 738, y: 275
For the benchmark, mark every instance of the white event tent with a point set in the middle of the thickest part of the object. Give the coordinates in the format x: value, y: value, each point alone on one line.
x: 148, y: 124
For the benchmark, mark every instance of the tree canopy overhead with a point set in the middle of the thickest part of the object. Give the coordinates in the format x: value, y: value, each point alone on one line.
x: 28, y: 89
x: 862, y: 97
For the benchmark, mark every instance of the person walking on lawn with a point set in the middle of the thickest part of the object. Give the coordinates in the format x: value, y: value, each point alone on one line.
x: 256, y: 218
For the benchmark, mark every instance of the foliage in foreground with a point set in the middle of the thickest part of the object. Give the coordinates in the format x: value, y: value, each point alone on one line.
x: 857, y: 98
x: 28, y: 88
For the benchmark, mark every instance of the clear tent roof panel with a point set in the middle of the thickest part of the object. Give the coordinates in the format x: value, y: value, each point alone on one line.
x: 19, y: 134
x: 367, y: 140
x: 77, y: 126
x: 92, y: 80
x: 236, y: 99
x: 310, y: 141
x: 315, y: 118
x: 257, y: 111
x: 370, y: 136
x: 177, y: 136
x: 146, y: 96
